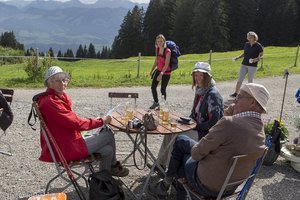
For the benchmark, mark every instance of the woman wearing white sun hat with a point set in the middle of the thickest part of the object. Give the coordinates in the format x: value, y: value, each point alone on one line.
x: 66, y: 126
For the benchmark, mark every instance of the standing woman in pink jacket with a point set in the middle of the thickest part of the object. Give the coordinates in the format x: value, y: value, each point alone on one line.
x: 161, y: 70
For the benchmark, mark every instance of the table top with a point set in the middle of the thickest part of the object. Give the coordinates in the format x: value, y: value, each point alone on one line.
x: 162, y: 129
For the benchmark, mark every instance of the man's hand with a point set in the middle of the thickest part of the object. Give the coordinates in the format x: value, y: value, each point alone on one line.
x: 229, y: 110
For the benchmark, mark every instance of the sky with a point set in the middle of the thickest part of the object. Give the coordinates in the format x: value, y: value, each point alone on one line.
x: 93, y: 1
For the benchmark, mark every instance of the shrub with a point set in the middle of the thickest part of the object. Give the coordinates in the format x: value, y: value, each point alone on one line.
x: 284, y: 130
x: 35, y: 72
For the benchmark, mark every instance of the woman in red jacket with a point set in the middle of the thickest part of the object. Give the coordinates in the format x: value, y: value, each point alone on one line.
x: 66, y: 127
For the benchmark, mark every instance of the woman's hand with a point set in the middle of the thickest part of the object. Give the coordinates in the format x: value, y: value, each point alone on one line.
x: 159, y: 77
x: 107, y: 119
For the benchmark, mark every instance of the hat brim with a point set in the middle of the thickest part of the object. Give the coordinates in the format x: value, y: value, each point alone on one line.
x: 250, y: 92
x: 45, y: 83
x: 200, y: 70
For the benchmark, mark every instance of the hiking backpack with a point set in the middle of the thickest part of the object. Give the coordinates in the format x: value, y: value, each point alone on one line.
x: 104, y: 187
x: 175, y: 53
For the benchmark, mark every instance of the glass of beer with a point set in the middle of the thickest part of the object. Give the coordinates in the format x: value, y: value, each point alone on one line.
x: 129, y: 113
x: 173, y: 124
x: 165, y: 117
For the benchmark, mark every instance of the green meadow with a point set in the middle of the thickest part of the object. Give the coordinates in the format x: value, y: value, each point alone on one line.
x: 123, y: 72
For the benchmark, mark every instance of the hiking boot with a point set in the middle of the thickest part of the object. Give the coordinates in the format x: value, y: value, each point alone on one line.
x: 118, y: 170
x: 233, y: 95
x: 158, y: 190
x: 155, y: 106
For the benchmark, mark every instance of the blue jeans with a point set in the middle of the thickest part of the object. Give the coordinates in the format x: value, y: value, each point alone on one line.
x: 182, y: 165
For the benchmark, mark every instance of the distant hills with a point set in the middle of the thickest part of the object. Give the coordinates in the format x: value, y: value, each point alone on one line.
x: 61, y: 25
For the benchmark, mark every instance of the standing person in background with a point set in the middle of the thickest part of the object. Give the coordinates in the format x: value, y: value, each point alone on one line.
x: 161, y: 70
x: 253, y: 53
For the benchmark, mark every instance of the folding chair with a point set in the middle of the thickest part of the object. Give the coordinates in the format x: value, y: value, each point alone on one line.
x: 5, y: 98
x: 62, y: 167
x: 237, y: 163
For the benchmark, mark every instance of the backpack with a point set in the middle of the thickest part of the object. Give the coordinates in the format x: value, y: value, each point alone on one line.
x: 175, y: 53
x: 103, y: 186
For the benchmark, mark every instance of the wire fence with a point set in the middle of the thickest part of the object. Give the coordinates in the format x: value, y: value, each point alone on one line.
x: 211, y: 58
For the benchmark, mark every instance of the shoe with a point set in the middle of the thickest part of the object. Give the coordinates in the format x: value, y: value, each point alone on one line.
x: 233, y: 95
x: 155, y: 106
x: 118, y: 170
x: 158, y: 190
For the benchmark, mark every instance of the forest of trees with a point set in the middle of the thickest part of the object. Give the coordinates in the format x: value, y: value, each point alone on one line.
x: 198, y: 26
x: 8, y: 39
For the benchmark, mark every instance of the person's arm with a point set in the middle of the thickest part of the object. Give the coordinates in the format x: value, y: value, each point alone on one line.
x: 56, y: 111
x: 259, y: 57
x: 215, y: 112
x: 212, y: 141
x: 154, y: 66
x: 238, y: 57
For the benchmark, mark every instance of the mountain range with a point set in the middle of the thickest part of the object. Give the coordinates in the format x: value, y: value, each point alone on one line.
x: 62, y: 25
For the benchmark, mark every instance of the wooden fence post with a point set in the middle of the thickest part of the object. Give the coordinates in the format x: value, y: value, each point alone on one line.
x: 139, y: 65
x: 210, y: 55
x: 37, y: 61
x: 297, y: 53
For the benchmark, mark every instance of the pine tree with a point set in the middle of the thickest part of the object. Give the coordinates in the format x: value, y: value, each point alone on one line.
x: 169, y: 9
x: 50, y: 52
x: 8, y: 39
x: 283, y: 30
x: 210, y: 27
x: 85, y: 52
x: 241, y: 19
x: 80, y: 52
x: 128, y: 42
x: 153, y: 25
x: 92, y: 51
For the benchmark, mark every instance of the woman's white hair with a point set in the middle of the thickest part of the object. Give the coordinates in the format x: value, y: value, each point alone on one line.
x: 251, y: 33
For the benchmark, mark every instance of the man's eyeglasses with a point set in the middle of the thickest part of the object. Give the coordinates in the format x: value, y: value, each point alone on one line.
x: 238, y: 97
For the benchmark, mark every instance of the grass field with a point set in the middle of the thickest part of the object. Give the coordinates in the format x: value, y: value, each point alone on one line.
x: 115, y: 73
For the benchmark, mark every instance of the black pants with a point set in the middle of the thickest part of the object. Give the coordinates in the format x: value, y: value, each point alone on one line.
x: 164, y: 83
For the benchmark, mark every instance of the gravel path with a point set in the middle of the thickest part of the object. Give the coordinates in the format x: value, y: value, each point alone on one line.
x: 22, y: 175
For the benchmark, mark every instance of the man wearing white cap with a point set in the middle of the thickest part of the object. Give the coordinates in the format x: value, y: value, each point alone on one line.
x: 205, y: 164
x: 66, y: 127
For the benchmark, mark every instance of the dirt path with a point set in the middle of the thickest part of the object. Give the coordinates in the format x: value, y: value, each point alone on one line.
x: 23, y: 175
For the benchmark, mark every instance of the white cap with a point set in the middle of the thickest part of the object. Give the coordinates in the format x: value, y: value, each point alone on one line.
x: 258, y: 92
x: 52, y: 71
x: 202, y: 67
